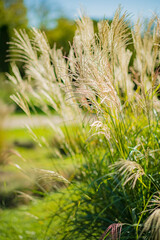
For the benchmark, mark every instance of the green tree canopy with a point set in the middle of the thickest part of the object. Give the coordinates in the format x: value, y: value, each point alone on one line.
x: 13, y: 14
x: 62, y: 34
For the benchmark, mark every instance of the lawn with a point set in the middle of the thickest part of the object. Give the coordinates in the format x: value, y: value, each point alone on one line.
x: 30, y: 221
x: 28, y: 155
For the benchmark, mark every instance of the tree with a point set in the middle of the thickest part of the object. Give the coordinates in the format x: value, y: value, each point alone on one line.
x: 62, y: 34
x: 43, y: 14
x: 13, y: 14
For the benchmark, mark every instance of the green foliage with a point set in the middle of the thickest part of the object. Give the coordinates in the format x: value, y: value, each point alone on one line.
x: 103, y: 197
x: 13, y: 14
x: 62, y: 34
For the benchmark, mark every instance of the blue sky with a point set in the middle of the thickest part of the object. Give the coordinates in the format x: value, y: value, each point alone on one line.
x: 100, y: 8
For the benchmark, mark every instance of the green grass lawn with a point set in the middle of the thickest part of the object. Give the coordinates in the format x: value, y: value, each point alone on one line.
x: 22, y: 216
x: 26, y: 211
x: 30, y: 221
x: 14, y: 179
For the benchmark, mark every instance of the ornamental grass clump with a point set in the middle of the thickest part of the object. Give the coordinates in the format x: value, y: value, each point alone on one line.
x: 112, y: 76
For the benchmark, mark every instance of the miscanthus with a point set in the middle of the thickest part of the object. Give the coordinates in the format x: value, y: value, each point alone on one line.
x: 112, y: 75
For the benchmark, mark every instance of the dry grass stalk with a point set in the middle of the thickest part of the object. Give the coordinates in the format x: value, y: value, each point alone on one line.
x: 49, y: 175
x: 130, y: 171
x: 153, y: 224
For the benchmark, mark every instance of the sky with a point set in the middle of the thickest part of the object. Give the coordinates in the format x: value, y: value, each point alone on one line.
x: 98, y: 9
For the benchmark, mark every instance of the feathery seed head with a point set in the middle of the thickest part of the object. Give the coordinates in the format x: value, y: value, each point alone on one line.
x: 130, y: 171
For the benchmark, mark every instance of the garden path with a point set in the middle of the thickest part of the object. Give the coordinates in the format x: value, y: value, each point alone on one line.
x: 21, y: 121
